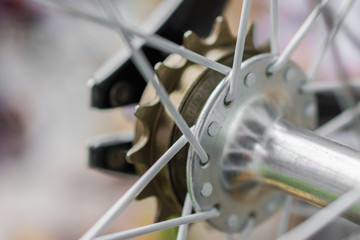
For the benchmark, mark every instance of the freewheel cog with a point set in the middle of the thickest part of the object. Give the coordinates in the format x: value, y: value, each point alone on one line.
x: 189, y: 85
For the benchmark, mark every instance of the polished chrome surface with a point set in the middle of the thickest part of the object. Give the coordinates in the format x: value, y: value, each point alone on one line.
x: 267, y: 149
x: 279, y: 92
x: 308, y: 166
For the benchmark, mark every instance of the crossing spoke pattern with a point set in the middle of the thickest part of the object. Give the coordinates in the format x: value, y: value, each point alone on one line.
x: 129, y: 34
x: 330, y: 38
x: 299, y: 36
x: 145, y: 69
x: 134, y: 191
x: 323, y: 217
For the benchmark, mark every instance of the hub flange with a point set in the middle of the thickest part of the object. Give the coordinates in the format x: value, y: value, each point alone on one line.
x: 260, y: 100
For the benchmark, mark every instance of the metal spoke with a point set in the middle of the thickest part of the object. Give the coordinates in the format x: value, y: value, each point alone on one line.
x: 323, y: 217
x: 330, y: 38
x: 250, y: 224
x: 167, y: 46
x: 239, y: 49
x: 285, y: 215
x: 147, y: 72
x: 346, y: 97
x: 298, y: 37
x: 274, y: 37
x: 339, y: 121
x: 161, y: 225
x: 187, y: 208
x: 346, y: 30
x: 153, y: 41
x: 324, y: 87
x: 132, y: 193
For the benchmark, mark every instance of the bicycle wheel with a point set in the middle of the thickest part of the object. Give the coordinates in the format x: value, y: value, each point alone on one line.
x: 250, y: 108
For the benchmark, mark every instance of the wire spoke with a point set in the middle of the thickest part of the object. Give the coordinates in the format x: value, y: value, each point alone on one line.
x: 250, y: 224
x: 147, y: 72
x: 187, y: 208
x: 298, y: 37
x: 324, y: 87
x: 323, y: 217
x: 154, y: 41
x: 330, y: 38
x: 167, y: 46
x: 285, y: 215
x: 134, y: 191
x: 346, y: 97
x: 339, y: 121
x: 239, y: 49
x: 161, y: 225
x: 274, y: 37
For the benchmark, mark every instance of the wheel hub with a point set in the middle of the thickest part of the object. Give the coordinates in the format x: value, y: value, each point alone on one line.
x: 226, y: 182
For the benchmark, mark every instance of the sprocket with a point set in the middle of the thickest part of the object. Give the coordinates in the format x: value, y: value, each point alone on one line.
x: 189, y: 85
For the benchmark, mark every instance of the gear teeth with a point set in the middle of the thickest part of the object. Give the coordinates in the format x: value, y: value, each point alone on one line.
x: 148, y: 191
x: 164, y: 211
x: 136, y: 154
x: 150, y: 105
x: 220, y: 33
x: 174, y: 64
x: 176, y: 74
x: 193, y: 42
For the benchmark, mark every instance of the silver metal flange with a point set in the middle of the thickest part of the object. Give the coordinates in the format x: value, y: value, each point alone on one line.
x: 218, y: 182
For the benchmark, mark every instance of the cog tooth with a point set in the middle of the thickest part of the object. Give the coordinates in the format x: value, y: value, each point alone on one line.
x: 136, y: 154
x: 148, y: 191
x: 148, y: 109
x: 177, y: 75
x: 193, y: 42
x: 172, y: 62
x: 173, y: 65
x: 164, y: 211
x: 220, y: 33
x: 160, y: 70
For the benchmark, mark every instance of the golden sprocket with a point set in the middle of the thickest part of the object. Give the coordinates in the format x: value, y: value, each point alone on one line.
x: 189, y: 85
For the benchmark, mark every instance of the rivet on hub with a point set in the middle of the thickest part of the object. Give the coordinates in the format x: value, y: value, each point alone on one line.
x: 206, y: 189
x: 250, y: 79
x: 213, y: 129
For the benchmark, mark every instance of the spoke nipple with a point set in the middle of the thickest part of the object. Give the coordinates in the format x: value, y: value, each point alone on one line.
x: 213, y: 128
x: 250, y: 79
x: 206, y: 189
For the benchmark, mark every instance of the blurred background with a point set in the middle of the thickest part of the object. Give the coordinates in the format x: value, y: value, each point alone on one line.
x: 47, y: 191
